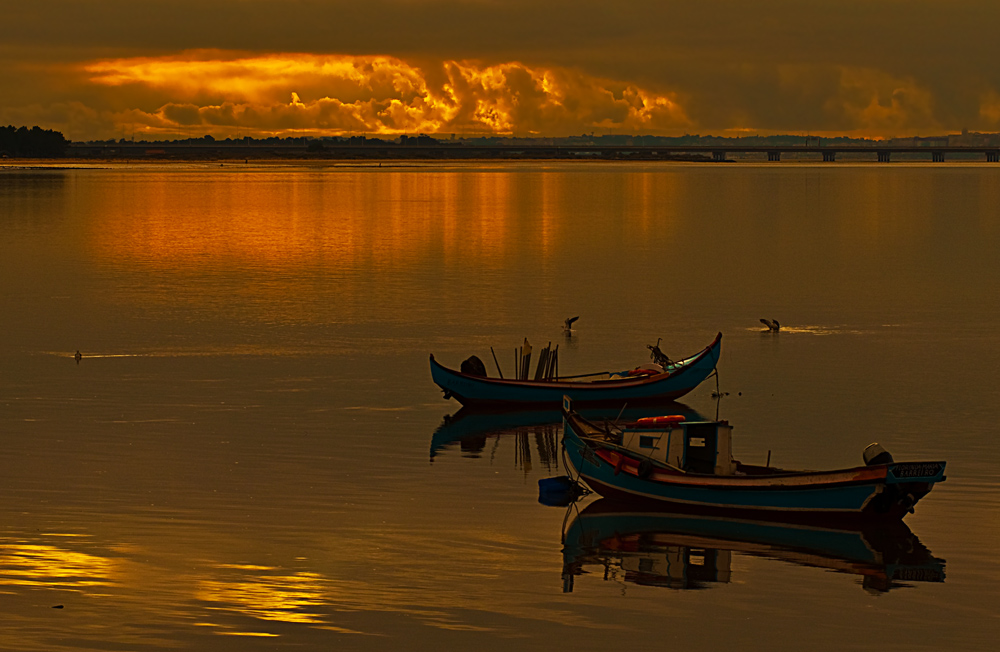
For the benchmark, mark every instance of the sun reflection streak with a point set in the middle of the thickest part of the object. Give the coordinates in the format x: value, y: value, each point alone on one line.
x: 42, y: 565
x: 291, y: 598
x: 278, y: 221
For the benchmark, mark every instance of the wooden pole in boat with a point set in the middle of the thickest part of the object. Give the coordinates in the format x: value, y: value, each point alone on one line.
x: 525, y: 359
x: 599, y: 373
x: 496, y: 363
x: 543, y: 373
x: 768, y: 464
x: 543, y: 362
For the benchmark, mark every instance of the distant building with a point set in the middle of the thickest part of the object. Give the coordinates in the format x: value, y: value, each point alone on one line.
x: 973, y: 139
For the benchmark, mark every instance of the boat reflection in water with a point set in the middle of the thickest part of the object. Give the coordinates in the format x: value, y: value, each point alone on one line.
x: 471, y: 429
x: 690, y: 551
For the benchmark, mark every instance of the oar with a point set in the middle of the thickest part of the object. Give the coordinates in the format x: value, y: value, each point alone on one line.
x: 496, y: 363
x: 599, y: 373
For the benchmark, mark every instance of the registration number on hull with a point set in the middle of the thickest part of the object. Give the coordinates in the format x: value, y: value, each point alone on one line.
x: 916, y: 470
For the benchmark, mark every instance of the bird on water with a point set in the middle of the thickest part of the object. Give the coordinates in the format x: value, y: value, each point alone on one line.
x: 773, y: 326
x: 78, y: 357
x: 568, y: 325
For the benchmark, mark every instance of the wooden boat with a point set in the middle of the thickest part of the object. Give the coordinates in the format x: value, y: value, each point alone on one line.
x: 677, y: 379
x: 689, y: 464
x: 678, y: 550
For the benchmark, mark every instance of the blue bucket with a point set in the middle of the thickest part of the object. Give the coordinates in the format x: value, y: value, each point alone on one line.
x: 559, y: 491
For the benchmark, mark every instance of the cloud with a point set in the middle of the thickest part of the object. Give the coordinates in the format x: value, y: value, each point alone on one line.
x: 989, y: 108
x: 864, y: 67
x: 216, y: 92
x: 879, y: 103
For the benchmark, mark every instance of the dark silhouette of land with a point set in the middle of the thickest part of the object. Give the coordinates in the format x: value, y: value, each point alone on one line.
x: 31, y: 143
x: 35, y: 142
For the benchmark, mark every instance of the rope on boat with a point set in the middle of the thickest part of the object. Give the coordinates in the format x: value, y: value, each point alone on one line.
x: 569, y: 466
x: 717, y: 395
x: 584, y: 491
x: 617, y: 418
x: 573, y: 507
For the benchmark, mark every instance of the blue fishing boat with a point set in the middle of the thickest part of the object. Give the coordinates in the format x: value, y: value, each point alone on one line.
x: 689, y: 464
x: 690, y: 550
x: 646, y: 384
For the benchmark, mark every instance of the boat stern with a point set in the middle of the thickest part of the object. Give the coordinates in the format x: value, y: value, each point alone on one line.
x: 909, y: 472
x: 905, y: 484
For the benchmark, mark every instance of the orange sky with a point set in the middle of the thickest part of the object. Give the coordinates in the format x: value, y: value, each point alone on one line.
x: 167, y: 69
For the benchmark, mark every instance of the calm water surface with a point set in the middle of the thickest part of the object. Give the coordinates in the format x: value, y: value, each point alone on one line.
x: 251, y: 454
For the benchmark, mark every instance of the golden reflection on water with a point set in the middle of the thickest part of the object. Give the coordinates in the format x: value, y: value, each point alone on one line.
x: 290, y: 598
x: 276, y: 220
x: 379, y: 219
x: 309, y: 598
x: 263, y: 593
x: 233, y: 242
x: 40, y: 565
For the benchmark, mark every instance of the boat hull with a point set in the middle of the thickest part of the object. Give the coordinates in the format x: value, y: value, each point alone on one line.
x: 479, y: 391
x: 878, y: 492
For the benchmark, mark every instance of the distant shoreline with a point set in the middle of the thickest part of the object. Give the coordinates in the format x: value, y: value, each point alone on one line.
x: 205, y: 156
x: 74, y: 163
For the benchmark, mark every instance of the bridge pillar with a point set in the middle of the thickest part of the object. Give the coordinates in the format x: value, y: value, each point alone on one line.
x: 829, y: 157
x: 937, y: 157
x: 993, y: 157
x: 774, y: 156
x: 883, y: 156
x: 718, y: 155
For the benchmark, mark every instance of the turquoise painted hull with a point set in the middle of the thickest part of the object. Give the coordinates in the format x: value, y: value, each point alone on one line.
x: 883, y: 492
x: 480, y: 391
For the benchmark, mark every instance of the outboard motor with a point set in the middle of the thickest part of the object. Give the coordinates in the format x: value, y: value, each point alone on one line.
x: 874, y: 454
x: 474, y: 367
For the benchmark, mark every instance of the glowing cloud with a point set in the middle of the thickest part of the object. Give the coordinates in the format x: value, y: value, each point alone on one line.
x: 217, y: 93
x: 877, y: 103
x: 989, y: 107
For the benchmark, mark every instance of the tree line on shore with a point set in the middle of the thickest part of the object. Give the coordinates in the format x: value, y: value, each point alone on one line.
x: 33, y: 143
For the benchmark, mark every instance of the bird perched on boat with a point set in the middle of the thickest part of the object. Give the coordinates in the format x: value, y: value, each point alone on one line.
x: 771, y: 325
x: 568, y: 325
x: 657, y: 356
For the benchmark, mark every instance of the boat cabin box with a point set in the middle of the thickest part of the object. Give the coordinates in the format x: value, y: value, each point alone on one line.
x: 692, y: 446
